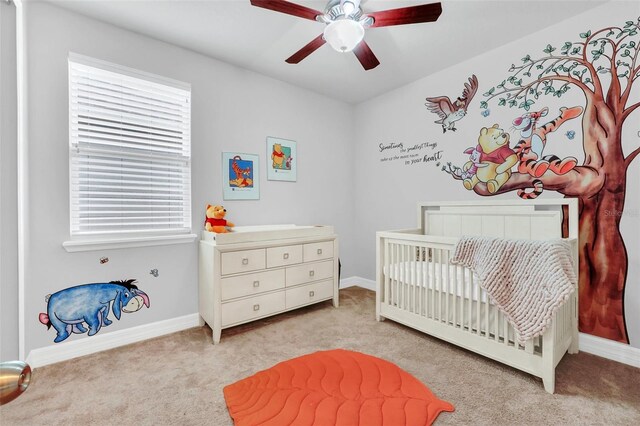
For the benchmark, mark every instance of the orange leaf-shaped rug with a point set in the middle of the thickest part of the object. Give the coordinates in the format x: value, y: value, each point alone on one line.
x: 336, y: 387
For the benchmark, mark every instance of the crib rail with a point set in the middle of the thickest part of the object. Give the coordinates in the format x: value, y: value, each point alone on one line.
x: 416, y: 276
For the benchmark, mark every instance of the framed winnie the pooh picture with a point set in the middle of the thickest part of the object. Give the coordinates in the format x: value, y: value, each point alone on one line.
x: 240, y: 176
x: 282, y: 159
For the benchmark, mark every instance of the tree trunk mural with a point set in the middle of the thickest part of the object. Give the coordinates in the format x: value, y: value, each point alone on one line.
x: 604, y: 65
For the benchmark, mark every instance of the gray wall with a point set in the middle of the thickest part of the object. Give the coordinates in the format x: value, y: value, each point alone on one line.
x: 232, y: 110
x: 400, y: 116
x: 8, y: 186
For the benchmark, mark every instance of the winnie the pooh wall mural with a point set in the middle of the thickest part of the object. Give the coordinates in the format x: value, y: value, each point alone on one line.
x: 69, y: 310
x: 604, y: 65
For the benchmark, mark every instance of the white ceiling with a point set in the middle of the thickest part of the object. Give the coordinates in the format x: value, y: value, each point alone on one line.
x: 260, y: 40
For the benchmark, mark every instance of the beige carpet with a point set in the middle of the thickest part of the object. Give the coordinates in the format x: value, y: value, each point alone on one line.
x: 178, y: 379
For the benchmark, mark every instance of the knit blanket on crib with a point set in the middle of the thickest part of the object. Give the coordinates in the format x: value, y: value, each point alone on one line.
x: 527, y: 280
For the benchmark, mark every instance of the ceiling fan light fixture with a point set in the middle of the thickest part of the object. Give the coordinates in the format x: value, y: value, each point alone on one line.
x: 344, y: 34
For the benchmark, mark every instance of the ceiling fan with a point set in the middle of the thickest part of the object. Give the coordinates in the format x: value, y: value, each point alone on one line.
x: 346, y: 23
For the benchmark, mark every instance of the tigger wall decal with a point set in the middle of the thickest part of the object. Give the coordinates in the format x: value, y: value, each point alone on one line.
x: 533, y: 140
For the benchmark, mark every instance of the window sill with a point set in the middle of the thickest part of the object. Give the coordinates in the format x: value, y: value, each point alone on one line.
x: 120, y: 243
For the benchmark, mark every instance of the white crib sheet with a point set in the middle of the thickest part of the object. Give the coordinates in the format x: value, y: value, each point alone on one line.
x: 409, y: 272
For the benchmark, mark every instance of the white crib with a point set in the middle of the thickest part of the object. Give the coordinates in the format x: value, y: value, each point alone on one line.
x: 418, y: 286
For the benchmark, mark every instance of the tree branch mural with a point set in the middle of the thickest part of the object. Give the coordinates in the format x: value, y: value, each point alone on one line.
x: 604, y: 65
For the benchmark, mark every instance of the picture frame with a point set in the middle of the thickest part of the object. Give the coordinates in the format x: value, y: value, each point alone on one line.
x: 240, y: 176
x: 282, y: 159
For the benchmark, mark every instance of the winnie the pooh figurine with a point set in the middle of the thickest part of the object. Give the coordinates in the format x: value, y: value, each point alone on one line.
x: 215, y: 221
x: 496, y: 160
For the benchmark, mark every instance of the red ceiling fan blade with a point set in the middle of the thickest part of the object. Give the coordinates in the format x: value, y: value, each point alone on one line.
x: 314, y: 45
x: 365, y: 56
x: 288, y: 8
x: 406, y: 15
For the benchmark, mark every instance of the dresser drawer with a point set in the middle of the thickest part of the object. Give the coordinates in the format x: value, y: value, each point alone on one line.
x: 318, y: 251
x: 308, y: 272
x: 282, y: 256
x: 309, y: 293
x: 254, y: 307
x: 243, y: 261
x: 251, y: 284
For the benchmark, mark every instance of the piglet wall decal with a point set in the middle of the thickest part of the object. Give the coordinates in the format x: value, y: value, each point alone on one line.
x: 70, y: 309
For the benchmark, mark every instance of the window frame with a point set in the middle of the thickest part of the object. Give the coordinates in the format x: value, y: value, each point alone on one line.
x: 138, y: 238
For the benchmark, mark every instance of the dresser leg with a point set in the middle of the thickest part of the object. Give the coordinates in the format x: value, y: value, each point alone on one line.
x: 201, y: 321
x: 217, y: 332
x: 336, y: 301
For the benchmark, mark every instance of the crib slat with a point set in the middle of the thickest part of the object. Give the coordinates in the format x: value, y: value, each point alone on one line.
x: 496, y: 323
x: 528, y: 346
x: 403, y: 280
x: 432, y: 283
x: 405, y: 276
x: 436, y: 282
x: 391, y: 274
x: 486, y: 316
x: 415, y: 253
x: 412, y: 286
x: 419, y: 282
x: 506, y: 330
x: 396, y: 265
x: 409, y: 279
x: 414, y: 273
x: 447, y: 298
x: 419, y: 266
x: 387, y: 265
x: 454, y: 302
x: 478, y: 292
x: 468, y: 298
x: 398, y: 286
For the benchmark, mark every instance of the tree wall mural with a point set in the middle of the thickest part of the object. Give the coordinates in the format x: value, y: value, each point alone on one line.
x: 604, y: 65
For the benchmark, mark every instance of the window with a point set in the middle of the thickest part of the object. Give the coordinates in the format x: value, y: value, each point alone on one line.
x: 130, y: 152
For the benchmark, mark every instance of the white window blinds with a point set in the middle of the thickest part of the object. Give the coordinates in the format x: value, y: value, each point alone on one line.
x: 129, y: 137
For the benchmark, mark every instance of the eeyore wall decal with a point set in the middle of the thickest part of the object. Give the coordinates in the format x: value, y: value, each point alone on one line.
x: 68, y: 309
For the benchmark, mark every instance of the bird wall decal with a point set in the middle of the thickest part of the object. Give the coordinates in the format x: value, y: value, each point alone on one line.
x: 450, y: 112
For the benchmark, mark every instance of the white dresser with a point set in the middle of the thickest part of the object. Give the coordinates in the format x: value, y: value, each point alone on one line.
x: 259, y: 271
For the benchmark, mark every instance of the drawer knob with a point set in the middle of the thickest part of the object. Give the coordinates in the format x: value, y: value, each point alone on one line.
x: 312, y: 293
x: 245, y: 261
x: 312, y: 273
x: 319, y: 251
x: 285, y: 256
x: 256, y: 284
x: 256, y: 307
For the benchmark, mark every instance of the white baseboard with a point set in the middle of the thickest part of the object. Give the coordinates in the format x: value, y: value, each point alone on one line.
x: 101, y: 342
x: 359, y: 282
x: 609, y: 349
